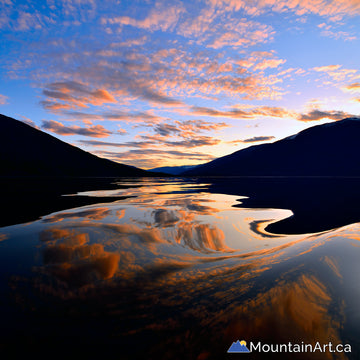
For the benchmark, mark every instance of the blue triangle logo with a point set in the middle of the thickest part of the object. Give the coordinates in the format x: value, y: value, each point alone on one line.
x: 238, y: 347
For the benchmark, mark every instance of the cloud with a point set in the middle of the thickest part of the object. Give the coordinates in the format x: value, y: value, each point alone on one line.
x: 3, y: 99
x: 262, y: 60
x: 216, y: 29
x: 156, y: 97
x: 156, y: 74
x: 162, y: 17
x: 127, y: 144
x: 194, y: 142
x: 240, y: 33
x: 191, y: 127
x: 334, y: 10
x: 267, y: 111
x: 337, y: 73
x: 131, y: 117
x: 164, y: 76
x: 327, y: 68
x: 74, y: 94
x: 338, y: 35
x: 60, y: 129
x: 352, y: 88
x: 135, y: 76
x: 54, y: 106
x: 187, y: 128
x: 195, y: 26
x: 29, y: 122
x: 26, y: 21
x: 252, y: 140
x: 315, y: 115
x: 277, y: 112
x: 183, y: 134
x: 166, y: 129
x: 269, y: 63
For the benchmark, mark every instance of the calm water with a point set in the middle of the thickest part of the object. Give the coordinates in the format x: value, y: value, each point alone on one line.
x: 178, y: 270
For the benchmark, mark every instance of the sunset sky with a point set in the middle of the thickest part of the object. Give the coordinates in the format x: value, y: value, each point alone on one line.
x: 165, y: 83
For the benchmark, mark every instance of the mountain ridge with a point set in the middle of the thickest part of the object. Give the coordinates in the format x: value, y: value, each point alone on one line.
x: 322, y: 150
x: 26, y: 151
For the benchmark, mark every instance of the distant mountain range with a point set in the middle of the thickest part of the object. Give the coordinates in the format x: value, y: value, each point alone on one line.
x: 173, y: 170
x: 26, y: 151
x: 331, y: 149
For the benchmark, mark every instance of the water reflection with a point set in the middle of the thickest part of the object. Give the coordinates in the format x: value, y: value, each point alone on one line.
x: 177, y: 275
x: 317, y: 203
x: 69, y: 257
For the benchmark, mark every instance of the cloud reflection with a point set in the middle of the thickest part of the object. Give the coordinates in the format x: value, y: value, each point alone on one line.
x: 69, y: 256
x: 92, y: 214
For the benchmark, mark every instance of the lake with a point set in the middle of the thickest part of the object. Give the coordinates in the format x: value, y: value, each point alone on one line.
x: 168, y: 268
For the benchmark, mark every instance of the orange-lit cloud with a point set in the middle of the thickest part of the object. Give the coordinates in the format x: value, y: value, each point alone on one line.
x: 116, y: 115
x: 73, y: 93
x: 56, y: 127
x: 128, y: 144
x: 3, y: 99
x: 54, y: 106
x: 193, y: 141
x: 339, y: 35
x: 352, y: 88
x: 337, y: 73
x: 269, y: 63
x: 252, y: 140
x: 334, y: 10
x: 29, y: 122
x: 261, y: 60
x: 319, y: 115
x: 242, y: 33
x: 266, y: 111
x: 189, y: 127
x: 327, y: 68
x: 160, y: 17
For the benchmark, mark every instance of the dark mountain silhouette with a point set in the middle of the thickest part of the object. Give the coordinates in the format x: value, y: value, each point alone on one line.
x: 26, y: 151
x: 331, y: 149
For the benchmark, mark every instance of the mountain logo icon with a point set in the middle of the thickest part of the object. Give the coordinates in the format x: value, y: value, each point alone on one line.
x: 238, y: 347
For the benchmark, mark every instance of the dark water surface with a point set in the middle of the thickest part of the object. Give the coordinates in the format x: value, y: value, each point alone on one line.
x: 174, y: 269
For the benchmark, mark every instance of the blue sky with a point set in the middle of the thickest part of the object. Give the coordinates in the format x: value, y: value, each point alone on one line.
x: 159, y: 83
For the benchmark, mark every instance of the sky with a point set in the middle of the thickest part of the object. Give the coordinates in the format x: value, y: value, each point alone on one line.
x: 168, y: 83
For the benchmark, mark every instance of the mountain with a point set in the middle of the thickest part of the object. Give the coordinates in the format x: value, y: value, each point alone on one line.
x: 173, y: 170
x: 331, y: 149
x: 26, y: 151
